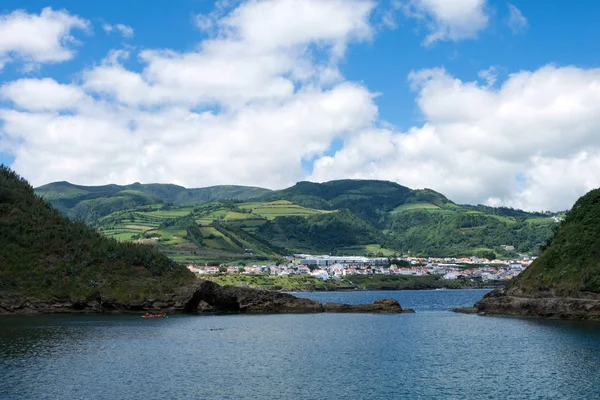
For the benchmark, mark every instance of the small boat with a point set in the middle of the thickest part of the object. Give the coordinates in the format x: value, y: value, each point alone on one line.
x: 154, y: 315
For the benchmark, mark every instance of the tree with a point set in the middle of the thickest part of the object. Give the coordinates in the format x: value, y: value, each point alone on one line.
x: 489, y: 254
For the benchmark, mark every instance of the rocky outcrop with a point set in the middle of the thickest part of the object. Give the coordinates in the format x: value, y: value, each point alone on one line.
x: 544, y: 304
x: 212, y: 298
x: 203, y: 297
x: 22, y: 305
x: 465, y: 310
x: 380, y: 306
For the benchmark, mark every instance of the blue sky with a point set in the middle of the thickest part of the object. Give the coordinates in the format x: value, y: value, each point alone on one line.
x: 489, y: 102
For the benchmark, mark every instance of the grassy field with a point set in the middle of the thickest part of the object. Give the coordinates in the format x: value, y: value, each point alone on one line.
x: 541, y: 221
x: 414, y: 206
x: 168, y: 225
x: 281, y: 208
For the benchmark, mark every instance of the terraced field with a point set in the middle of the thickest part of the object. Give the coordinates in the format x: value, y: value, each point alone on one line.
x: 123, y: 225
x: 222, y: 229
x: 415, y: 206
x: 280, y: 208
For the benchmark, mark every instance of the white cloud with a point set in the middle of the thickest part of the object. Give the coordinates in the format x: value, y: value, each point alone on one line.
x: 262, y: 51
x: 516, y: 21
x: 531, y: 143
x: 125, y: 30
x: 43, y: 38
x: 259, y: 144
x: 204, y: 22
x: 246, y: 107
x: 449, y: 20
x: 42, y: 95
x: 490, y: 75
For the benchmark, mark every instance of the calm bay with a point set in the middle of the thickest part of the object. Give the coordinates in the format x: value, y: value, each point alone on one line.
x: 431, y: 354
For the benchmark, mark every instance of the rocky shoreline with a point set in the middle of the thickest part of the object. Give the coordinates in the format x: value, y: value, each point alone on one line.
x: 205, y: 297
x: 542, y: 304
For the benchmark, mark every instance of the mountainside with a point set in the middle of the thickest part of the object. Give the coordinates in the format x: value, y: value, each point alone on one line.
x: 88, y: 203
x: 565, y: 280
x: 44, y: 256
x: 369, y: 199
x: 347, y: 216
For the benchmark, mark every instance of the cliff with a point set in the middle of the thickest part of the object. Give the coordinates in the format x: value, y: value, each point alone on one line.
x: 564, y: 282
x: 45, y: 258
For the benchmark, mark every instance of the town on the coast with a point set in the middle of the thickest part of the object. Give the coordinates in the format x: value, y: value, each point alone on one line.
x: 339, y: 267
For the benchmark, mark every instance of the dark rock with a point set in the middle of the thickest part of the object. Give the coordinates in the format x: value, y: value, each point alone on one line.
x: 210, y: 297
x: 203, y: 297
x: 541, y: 304
x: 389, y: 306
x: 465, y: 310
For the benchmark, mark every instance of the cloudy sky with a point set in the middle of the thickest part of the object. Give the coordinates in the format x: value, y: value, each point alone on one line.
x: 486, y: 101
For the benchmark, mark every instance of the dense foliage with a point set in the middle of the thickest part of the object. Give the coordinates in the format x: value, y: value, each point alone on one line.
x: 570, y: 261
x: 88, y: 203
x: 325, y: 232
x: 370, y: 200
x: 441, y: 234
x: 44, y: 255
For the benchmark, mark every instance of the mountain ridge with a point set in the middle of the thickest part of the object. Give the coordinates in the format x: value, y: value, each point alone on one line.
x: 381, y: 215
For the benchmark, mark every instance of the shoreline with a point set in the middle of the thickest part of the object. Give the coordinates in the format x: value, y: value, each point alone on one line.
x: 384, y: 289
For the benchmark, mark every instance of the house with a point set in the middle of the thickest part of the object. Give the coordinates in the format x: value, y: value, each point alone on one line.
x: 321, y: 274
x: 303, y: 270
x: 339, y: 272
x: 211, y: 270
x: 450, y: 276
x: 252, y: 270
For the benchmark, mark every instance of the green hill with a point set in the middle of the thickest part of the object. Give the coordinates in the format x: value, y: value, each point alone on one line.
x: 321, y: 232
x: 570, y: 261
x: 46, y: 256
x: 425, y: 222
x: 460, y: 230
x: 564, y: 282
x: 88, y: 203
x: 218, y: 230
x: 380, y: 218
x: 369, y: 199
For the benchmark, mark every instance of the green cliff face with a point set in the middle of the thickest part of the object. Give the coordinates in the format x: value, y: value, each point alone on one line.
x: 570, y: 261
x: 46, y: 256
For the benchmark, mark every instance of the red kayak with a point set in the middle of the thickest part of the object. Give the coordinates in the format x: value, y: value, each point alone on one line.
x: 152, y: 315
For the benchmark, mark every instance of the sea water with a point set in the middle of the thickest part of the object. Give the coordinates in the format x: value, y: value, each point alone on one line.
x: 433, y: 354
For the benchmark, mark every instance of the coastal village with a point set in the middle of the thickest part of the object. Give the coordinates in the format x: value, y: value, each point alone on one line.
x: 339, y: 267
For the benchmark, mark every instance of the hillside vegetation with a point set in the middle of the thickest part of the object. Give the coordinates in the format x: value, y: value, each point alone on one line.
x: 423, y: 222
x: 46, y: 256
x: 570, y: 261
x: 88, y: 203
x: 360, y: 217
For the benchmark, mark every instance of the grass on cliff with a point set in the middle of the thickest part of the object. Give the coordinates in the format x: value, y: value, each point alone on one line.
x: 44, y: 255
x: 570, y: 261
